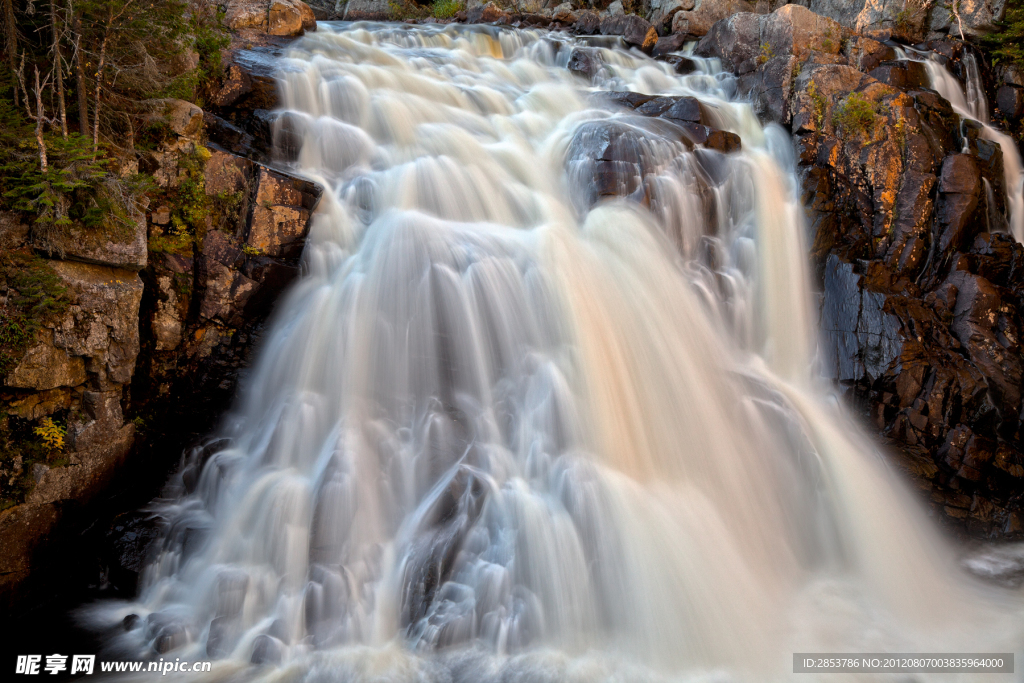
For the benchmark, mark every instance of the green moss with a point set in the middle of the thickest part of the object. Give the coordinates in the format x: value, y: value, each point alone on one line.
x: 173, y: 242
x: 855, y: 115
x: 445, y: 9
x: 766, y: 53
x: 819, y: 103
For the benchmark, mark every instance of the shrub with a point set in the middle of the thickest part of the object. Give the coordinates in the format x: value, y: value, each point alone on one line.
x: 856, y: 114
x: 51, y: 433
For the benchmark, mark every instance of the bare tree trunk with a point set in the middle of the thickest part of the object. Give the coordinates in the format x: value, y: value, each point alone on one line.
x: 58, y: 70
x: 99, y: 90
x: 39, y: 123
x: 24, y: 90
x: 83, y: 95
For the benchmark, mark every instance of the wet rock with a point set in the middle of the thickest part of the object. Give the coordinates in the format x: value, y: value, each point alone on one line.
x: 911, y: 226
x: 960, y: 175
x: 683, y: 65
x: 770, y: 87
x: 860, y: 338
x: 627, y: 99
x: 167, y: 632
x: 443, y: 531
x: 667, y: 44
x: 131, y: 622
x: 227, y: 135
x: 698, y: 21
x: 723, y: 141
x: 960, y: 188
x: 1010, y: 101
x: 584, y: 62
x: 605, y: 159
x: 249, y: 84
x: 281, y: 210
x: 735, y: 40
x: 902, y: 74
x: 267, y: 650
x: 634, y: 30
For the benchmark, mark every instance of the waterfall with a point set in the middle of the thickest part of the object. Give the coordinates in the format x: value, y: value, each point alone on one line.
x: 505, y: 428
x: 970, y: 102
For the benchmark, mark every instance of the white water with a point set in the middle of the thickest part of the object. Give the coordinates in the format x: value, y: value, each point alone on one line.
x: 970, y: 102
x: 599, y: 427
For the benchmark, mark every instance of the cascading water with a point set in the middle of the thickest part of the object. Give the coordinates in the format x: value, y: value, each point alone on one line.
x: 502, y: 430
x: 969, y: 101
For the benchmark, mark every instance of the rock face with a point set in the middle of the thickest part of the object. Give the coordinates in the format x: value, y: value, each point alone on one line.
x: 366, y: 10
x: 159, y: 329
x: 274, y: 17
x: 80, y: 364
x: 921, y: 303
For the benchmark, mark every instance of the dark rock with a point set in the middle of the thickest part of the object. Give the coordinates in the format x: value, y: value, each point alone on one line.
x: 131, y: 622
x: 700, y: 19
x: 723, y: 141
x: 249, y: 82
x: 902, y: 74
x: 670, y: 43
x: 627, y: 99
x: 267, y: 650
x: 227, y: 135
x: 736, y: 41
x: 633, y: 29
x: 960, y: 174
x: 584, y: 62
x: 770, y: 87
x: 683, y: 65
x: 588, y: 23
x: 1010, y: 101
x: 860, y: 338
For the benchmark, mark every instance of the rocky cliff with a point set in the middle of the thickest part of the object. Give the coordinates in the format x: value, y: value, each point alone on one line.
x: 150, y: 324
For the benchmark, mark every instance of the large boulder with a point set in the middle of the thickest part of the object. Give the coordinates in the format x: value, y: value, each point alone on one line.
x: 634, y: 30
x: 274, y: 17
x: 745, y: 41
x: 976, y: 17
x: 699, y: 20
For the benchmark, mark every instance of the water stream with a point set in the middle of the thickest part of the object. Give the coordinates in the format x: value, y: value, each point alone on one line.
x: 507, y: 430
x: 969, y: 101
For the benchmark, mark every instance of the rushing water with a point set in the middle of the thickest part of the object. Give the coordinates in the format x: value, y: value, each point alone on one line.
x: 503, y: 431
x: 969, y: 101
